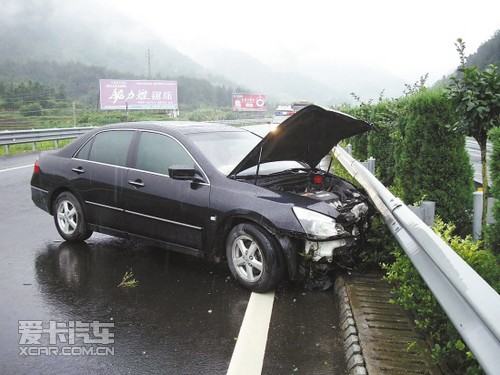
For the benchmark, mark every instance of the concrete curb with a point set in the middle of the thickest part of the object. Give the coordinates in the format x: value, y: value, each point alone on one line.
x: 353, y: 353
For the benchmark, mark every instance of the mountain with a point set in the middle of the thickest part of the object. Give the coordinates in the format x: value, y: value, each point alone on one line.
x: 250, y: 72
x: 57, y: 32
x: 322, y: 83
x: 41, y: 30
x: 487, y: 53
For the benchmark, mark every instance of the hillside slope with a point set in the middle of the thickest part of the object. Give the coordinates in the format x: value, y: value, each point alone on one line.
x: 487, y: 53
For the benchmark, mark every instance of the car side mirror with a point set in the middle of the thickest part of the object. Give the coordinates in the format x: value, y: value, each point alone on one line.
x: 179, y: 172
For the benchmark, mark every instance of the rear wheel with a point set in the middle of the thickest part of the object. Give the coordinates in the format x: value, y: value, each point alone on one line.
x: 254, y: 258
x: 69, y: 218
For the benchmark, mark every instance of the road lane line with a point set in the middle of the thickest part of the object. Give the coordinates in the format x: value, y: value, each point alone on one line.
x: 14, y: 168
x: 248, y: 354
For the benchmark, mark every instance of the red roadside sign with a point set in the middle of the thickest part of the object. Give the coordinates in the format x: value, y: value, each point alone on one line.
x: 249, y: 102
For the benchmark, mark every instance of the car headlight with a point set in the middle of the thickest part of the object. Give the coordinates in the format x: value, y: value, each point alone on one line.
x: 316, y: 225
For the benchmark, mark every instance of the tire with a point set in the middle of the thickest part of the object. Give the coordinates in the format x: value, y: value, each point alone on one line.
x: 69, y: 218
x: 247, y: 246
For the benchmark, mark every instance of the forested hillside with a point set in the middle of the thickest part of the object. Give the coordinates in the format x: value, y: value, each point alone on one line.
x: 80, y: 82
x: 487, y: 53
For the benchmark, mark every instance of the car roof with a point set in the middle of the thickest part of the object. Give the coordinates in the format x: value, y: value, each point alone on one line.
x: 182, y: 127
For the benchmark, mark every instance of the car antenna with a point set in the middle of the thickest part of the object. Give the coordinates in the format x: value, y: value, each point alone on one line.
x: 258, y: 165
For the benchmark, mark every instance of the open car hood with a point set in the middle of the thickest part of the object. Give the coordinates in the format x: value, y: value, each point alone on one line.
x: 307, y: 136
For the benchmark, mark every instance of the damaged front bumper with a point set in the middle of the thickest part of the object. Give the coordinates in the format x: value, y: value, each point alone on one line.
x: 326, y: 250
x: 304, y: 252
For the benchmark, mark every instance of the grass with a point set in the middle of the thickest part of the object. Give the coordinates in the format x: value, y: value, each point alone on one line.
x: 62, y: 117
x: 36, y: 147
x: 128, y: 280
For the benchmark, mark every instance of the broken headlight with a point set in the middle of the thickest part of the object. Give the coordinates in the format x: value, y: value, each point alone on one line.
x: 316, y: 225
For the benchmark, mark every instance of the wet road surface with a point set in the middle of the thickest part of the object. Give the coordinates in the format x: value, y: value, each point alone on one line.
x: 183, y: 318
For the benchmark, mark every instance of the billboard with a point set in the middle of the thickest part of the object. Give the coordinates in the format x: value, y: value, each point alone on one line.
x: 249, y: 102
x: 137, y: 94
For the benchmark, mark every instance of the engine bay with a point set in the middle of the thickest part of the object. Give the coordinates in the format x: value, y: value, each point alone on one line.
x: 321, y: 186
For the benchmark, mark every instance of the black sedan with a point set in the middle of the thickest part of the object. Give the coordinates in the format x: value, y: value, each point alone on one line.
x: 211, y: 190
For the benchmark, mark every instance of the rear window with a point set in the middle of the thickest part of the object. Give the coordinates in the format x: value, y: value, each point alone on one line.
x: 111, y: 147
x: 85, y: 150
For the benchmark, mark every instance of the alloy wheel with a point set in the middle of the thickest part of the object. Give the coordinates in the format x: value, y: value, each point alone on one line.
x: 67, y: 217
x: 247, y: 258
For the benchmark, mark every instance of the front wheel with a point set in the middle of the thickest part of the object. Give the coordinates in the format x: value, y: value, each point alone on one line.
x: 69, y: 218
x: 253, y: 257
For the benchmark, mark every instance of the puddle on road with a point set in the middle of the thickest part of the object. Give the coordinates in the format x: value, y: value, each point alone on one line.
x: 183, y: 307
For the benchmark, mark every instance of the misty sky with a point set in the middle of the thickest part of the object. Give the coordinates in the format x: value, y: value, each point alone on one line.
x: 406, y: 39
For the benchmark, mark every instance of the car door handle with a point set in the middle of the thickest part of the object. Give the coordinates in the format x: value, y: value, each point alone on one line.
x: 78, y: 170
x: 136, y: 183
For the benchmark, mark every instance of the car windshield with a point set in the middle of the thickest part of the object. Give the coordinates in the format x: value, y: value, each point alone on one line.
x: 225, y: 149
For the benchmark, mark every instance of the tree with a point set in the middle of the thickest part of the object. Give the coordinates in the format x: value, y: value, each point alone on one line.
x: 431, y: 161
x: 475, y: 94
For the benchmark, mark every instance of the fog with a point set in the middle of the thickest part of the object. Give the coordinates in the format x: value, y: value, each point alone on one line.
x: 321, y: 50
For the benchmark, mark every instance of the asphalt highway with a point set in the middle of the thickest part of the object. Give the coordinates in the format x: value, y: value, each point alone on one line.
x: 184, y: 317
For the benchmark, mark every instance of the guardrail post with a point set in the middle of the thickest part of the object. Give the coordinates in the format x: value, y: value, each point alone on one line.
x: 33, y: 146
x: 371, y: 165
x: 56, y: 143
x: 476, y: 215
x: 429, y: 210
x: 490, y: 219
x: 417, y: 210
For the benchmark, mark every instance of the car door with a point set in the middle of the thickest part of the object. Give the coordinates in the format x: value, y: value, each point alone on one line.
x: 158, y: 206
x: 99, y: 174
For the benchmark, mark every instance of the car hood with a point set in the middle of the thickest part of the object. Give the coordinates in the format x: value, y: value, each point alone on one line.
x: 307, y: 136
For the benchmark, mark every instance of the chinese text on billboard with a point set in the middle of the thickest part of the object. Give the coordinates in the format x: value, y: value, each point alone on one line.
x: 137, y: 94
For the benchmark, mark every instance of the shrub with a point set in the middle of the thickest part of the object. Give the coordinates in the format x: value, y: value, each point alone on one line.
x: 33, y: 109
x: 382, y: 142
x: 359, y: 143
x: 411, y: 293
x: 432, y: 161
x: 494, y: 229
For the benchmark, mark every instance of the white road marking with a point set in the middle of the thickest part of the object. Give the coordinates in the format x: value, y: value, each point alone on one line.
x: 248, y: 354
x: 14, y: 168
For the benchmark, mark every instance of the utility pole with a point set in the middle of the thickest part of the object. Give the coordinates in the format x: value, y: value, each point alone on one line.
x: 148, y: 56
x: 74, y: 114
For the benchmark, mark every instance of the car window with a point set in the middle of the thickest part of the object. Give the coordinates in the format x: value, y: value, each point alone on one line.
x: 111, y: 147
x: 156, y: 153
x: 84, y: 151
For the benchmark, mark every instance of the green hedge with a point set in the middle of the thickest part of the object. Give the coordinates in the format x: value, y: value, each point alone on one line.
x: 382, y: 142
x: 494, y: 229
x: 432, y: 162
x: 411, y: 292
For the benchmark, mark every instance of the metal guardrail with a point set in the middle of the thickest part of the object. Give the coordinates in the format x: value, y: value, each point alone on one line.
x: 471, y: 304
x: 14, y: 137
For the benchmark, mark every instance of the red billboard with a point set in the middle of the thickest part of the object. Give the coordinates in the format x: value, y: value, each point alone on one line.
x: 137, y: 94
x: 249, y: 102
